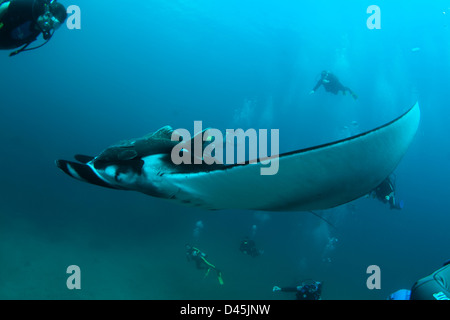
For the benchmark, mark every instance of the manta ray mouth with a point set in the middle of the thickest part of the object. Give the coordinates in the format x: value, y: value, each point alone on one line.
x: 83, y: 172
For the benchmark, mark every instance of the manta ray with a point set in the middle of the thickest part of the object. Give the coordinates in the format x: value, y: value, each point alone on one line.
x: 315, y: 178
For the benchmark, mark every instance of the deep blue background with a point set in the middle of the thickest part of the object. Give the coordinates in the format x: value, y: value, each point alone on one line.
x: 137, y: 66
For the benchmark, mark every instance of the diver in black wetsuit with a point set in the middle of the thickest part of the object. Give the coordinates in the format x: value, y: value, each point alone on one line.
x: 193, y: 253
x: 22, y: 21
x: 310, y: 290
x: 332, y: 84
x: 436, y: 286
x: 385, y: 192
x: 248, y: 247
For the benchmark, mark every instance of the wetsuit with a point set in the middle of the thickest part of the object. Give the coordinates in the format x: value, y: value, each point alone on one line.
x: 18, y: 25
x: 249, y: 247
x: 201, y: 262
x: 306, y: 292
x: 332, y: 84
x: 385, y: 192
x: 436, y: 286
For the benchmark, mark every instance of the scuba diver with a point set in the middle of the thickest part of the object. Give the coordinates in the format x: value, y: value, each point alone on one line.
x: 249, y: 247
x: 306, y: 291
x: 22, y: 21
x: 199, y: 258
x: 436, y: 286
x: 385, y: 192
x: 331, y: 84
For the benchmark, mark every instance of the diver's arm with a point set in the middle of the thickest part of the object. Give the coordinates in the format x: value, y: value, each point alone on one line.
x: 285, y: 289
x: 289, y: 289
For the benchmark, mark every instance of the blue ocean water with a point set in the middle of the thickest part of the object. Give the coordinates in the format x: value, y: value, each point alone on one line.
x: 135, y: 67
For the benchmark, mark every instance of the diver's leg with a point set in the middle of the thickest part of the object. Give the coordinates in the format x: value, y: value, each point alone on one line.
x: 344, y: 89
x: 219, y: 276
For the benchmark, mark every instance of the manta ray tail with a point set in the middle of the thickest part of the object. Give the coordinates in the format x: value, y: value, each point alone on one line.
x: 81, y: 171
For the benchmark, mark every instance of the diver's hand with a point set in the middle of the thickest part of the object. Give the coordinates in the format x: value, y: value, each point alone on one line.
x: 311, y: 92
x: 276, y: 288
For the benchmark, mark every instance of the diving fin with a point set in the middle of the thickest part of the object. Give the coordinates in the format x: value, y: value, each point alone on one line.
x: 219, y: 277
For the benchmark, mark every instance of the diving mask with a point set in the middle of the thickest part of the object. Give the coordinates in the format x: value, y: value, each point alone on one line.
x: 47, y: 22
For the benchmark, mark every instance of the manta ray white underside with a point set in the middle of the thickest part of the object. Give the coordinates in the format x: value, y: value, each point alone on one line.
x: 315, y: 178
